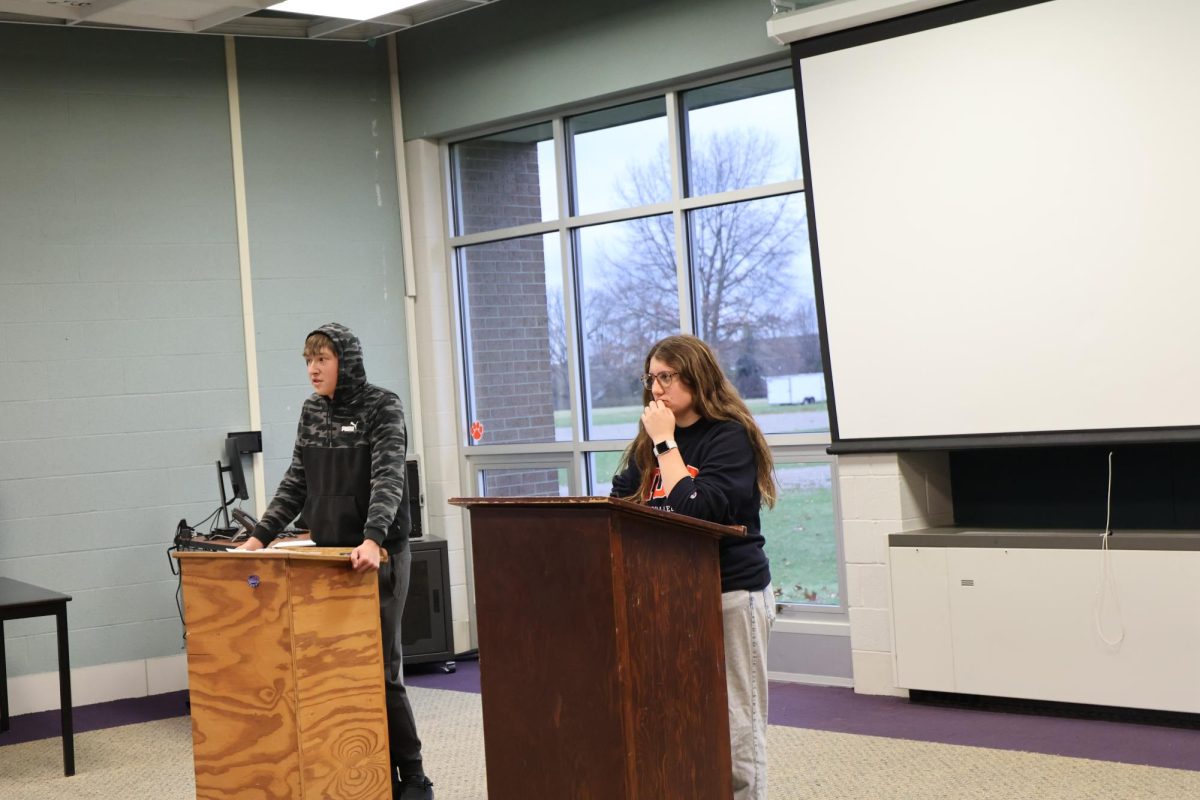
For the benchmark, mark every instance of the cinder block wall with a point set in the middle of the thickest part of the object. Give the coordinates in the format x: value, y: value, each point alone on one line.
x: 121, y: 317
x: 120, y: 314
x: 324, y: 218
x: 883, y: 494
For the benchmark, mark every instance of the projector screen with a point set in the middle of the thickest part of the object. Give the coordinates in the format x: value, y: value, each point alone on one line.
x: 1005, y: 213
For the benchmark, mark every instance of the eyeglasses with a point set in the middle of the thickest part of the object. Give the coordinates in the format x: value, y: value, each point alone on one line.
x: 664, y: 379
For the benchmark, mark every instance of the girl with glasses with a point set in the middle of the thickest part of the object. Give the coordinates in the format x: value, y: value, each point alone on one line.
x: 699, y: 452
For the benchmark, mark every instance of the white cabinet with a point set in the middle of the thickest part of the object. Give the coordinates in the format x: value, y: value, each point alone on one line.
x: 1022, y: 622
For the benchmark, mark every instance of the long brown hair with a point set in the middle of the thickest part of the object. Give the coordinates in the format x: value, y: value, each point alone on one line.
x: 713, y: 397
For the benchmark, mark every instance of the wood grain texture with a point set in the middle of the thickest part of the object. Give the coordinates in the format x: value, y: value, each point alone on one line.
x: 601, y: 655
x: 696, y: 526
x: 548, y: 661
x: 286, y: 676
x: 339, y: 682
x: 240, y: 679
x: 676, y: 652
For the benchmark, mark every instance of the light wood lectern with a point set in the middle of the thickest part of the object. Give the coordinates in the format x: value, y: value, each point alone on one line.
x: 601, y: 650
x: 285, y: 673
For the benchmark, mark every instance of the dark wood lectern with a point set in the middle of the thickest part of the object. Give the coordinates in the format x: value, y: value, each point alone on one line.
x: 601, y: 650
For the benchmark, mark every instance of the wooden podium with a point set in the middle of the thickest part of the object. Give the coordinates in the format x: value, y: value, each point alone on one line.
x: 285, y: 673
x: 601, y: 650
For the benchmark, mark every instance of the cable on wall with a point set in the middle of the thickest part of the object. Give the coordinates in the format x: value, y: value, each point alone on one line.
x: 1108, y: 584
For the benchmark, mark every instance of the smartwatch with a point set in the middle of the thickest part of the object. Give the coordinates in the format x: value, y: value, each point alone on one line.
x: 662, y: 448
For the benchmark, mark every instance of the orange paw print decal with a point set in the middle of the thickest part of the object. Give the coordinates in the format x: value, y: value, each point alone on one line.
x: 477, y: 430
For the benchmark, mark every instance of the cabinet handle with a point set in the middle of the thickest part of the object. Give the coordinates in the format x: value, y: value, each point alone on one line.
x: 437, y: 601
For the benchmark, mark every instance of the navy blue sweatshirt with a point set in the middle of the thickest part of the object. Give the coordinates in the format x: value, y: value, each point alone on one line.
x: 722, y: 487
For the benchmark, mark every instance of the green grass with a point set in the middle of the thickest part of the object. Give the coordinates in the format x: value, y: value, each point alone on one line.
x: 802, y: 545
x: 800, y: 532
x: 606, y: 464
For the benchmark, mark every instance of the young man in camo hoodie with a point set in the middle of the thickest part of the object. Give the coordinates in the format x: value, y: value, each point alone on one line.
x: 347, y: 478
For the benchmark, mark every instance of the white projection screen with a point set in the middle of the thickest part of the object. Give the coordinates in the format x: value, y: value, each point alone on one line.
x: 1006, y: 217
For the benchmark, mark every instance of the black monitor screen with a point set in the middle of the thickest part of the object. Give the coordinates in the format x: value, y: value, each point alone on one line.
x: 237, y: 476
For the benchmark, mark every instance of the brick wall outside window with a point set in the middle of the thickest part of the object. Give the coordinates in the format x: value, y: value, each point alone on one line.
x: 506, y: 314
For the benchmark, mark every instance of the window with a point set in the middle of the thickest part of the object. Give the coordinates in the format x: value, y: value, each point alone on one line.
x: 628, y: 300
x: 742, y: 134
x: 752, y: 282
x: 683, y: 212
x: 505, y: 180
x: 601, y: 140
x: 801, y: 535
x: 523, y: 482
x: 602, y: 466
x: 512, y: 317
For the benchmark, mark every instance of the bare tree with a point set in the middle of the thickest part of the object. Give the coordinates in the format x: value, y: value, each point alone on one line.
x: 742, y: 258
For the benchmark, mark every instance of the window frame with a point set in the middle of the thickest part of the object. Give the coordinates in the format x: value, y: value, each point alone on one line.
x: 574, y: 455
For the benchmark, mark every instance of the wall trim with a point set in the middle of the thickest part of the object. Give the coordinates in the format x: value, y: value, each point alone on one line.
x: 812, y: 680
x: 101, y: 683
x: 243, y: 244
x: 783, y: 625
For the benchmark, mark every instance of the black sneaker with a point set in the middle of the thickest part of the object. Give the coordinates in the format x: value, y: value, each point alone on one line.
x: 413, y: 787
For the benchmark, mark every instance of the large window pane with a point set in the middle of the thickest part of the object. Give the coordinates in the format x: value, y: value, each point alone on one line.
x: 601, y: 468
x: 753, y: 286
x: 516, y: 344
x: 620, y: 157
x: 505, y: 180
x: 629, y: 300
x: 526, y: 482
x: 802, y: 536
x: 742, y: 134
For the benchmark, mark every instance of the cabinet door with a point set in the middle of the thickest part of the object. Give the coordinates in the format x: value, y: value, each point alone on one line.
x: 423, y: 627
x: 921, y: 619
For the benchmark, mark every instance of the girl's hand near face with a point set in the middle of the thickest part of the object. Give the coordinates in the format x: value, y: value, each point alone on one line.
x: 659, y: 421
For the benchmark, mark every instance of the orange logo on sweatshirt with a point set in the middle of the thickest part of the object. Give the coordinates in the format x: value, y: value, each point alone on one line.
x: 656, y: 487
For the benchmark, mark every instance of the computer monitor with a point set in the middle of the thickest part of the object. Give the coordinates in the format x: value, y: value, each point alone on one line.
x: 236, y: 444
x: 237, y: 476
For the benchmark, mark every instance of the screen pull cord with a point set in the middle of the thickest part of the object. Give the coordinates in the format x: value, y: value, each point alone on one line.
x: 1108, y: 584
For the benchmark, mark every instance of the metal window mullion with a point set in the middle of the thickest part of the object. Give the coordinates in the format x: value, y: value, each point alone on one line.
x: 460, y: 350
x: 504, y: 234
x: 621, y: 214
x: 478, y: 463
x: 566, y: 253
x: 816, y: 441
x: 562, y: 167
x: 742, y: 195
x: 598, y: 218
x: 678, y: 216
x: 530, y: 460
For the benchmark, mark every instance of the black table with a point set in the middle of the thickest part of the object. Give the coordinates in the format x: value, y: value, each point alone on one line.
x: 20, y: 600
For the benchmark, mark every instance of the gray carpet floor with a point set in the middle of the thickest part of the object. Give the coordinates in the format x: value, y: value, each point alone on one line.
x: 154, y: 760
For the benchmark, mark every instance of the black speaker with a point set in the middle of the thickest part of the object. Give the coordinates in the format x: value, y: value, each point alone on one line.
x: 412, y: 483
x: 427, y: 628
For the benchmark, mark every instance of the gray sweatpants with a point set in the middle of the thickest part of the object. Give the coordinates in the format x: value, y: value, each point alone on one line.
x: 404, y: 744
x: 747, y: 618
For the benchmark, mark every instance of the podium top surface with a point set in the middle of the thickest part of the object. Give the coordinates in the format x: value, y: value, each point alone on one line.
x: 616, y: 503
x: 337, y: 554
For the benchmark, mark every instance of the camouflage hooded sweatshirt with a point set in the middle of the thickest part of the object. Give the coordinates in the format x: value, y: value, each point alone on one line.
x: 347, y: 471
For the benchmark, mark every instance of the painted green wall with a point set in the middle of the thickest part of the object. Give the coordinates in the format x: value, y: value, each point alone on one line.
x: 519, y: 57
